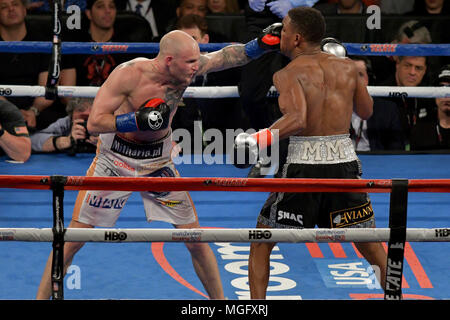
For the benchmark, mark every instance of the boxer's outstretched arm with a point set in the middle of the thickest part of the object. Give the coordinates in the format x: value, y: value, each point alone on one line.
x: 109, y: 98
x: 228, y: 57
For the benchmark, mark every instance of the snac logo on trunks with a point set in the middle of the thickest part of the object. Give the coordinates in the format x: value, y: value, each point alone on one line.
x: 351, y: 216
x: 105, y: 203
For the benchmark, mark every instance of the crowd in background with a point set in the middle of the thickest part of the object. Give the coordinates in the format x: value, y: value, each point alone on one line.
x: 399, y: 123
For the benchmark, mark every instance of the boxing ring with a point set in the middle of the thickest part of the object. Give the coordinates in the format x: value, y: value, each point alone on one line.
x: 140, y: 261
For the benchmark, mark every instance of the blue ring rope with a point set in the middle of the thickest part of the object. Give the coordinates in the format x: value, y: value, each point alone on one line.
x: 367, y: 49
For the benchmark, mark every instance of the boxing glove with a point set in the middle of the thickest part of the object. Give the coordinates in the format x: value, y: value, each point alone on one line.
x: 268, y: 40
x: 153, y: 115
x: 246, y: 147
x: 333, y: 46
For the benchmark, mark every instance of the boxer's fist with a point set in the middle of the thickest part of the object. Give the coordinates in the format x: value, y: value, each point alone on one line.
x: 153, y: 115
x: 270, y: 37
x: 333, y: 46
x: 245, y: 150
x: 268, y: 40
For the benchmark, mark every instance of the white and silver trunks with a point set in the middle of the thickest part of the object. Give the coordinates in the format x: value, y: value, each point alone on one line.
x: 117, y: 157
x: 321, y: 150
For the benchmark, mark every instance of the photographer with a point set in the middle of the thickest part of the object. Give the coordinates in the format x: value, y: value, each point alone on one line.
x: 68, y: 134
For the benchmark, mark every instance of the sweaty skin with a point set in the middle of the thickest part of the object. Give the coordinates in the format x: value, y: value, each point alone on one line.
x: 165, y: 77
x: 126, y: 89
x: 318, y: 94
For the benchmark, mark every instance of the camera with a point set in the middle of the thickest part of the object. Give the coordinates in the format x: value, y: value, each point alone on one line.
x: 84, y: 124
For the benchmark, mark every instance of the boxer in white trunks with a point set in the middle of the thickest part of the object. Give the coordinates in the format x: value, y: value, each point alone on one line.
x: 132, y: 113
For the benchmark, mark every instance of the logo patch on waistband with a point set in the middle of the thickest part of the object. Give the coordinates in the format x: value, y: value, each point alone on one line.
x: 137, y: 151
x: 347, y: 217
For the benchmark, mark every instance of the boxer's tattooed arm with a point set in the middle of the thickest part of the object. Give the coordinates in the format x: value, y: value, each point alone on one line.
x: 173, y: 97
x: 228, y: 57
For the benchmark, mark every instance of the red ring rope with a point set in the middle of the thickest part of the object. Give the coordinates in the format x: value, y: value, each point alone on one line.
x: 223, y: 184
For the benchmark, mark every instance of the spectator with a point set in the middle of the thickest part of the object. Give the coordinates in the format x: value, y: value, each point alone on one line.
x: 342, y: 7
x: 185, y: 7
x: 93, y: 70
x: 14, y: 139
x: 410, y: 72
x: 223, y: 6
x: 25, y: 68
x: 158, y: 13
x: 198, y: 7
x: 44, y: 5
x: 443, y: 109
x: 383, y: 130
x: 214, y: 113
x: 410, y: 32
x: 431, y: 7
x: 434, y: 134
x: 68, y: 134
x: 413, y: 31
x: 396, y: 6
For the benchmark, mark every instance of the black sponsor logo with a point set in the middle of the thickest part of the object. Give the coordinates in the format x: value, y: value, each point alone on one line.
x: 115, y: 236
x: 137, y: 151
x: 351, y: 216
x: 259, y: 234
x: 395, y: 94
x: 5, y: 91
x: 442, y: 233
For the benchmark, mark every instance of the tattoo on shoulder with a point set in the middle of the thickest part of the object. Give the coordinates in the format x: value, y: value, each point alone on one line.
x: 173, y: 97
x: 228, y: 57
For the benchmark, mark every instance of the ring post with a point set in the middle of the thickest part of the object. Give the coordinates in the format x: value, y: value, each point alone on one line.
x: 57, y: 185
x: 54, y: 68
x: 397, y: 238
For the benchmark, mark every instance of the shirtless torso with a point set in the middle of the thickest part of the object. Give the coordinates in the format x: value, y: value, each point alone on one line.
x: 166, y: 77
x: 321, y: 89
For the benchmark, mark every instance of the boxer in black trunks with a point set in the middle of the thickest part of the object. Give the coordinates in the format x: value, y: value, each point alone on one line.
x: 318, y: 92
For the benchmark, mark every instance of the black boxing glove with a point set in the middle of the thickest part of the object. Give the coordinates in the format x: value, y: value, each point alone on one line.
x: 333, y: 46
x: 268, y: 40
x: 153, y: 115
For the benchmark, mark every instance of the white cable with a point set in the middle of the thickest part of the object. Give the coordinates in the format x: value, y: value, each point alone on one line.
x: 224, y: 235
x: 222, y: 92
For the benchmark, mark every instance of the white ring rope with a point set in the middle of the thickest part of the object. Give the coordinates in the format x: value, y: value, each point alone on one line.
x: 224, y: 235
x: 221, y: 92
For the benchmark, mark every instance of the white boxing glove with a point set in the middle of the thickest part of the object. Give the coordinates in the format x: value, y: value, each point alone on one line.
x: 334, y: 47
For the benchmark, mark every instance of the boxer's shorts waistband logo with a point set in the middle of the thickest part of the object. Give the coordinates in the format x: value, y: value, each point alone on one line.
x: 137, y: 151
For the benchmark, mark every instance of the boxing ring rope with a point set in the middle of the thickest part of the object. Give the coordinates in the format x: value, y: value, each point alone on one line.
x: 223, y: 235
x: 396, y: 234
x: 67, y: 47
x: 219, y: 184
x: 220, y: 92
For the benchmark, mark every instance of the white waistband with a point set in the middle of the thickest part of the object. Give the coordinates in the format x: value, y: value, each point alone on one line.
x: 321, y: 149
